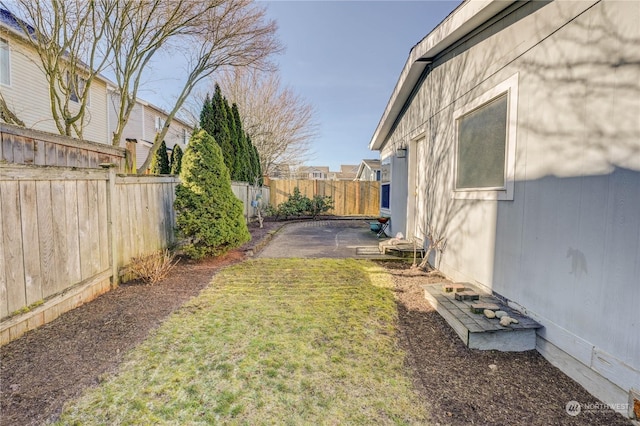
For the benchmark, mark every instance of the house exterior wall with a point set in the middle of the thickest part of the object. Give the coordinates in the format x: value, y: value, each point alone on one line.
x: 28, y: 94
x: 565, y: 248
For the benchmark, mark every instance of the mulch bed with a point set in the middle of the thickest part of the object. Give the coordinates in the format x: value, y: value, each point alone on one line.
x: 57, y: 362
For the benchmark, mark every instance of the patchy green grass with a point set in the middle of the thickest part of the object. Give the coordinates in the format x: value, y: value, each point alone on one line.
x: 273, y: 341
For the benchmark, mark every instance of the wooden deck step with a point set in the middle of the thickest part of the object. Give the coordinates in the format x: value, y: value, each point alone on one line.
x: 475, y: 329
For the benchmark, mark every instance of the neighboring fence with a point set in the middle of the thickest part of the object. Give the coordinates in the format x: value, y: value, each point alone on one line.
x: 24, y: 146
x: 350, y: 197
x: 65, y: 235
x: 249, y: 193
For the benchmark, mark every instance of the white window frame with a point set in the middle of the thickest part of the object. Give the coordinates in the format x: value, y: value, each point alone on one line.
x: 5, y: 46
x: 75, y: 85
x: 159, y: 123
x: 505, y: 193
x: 385, y: 181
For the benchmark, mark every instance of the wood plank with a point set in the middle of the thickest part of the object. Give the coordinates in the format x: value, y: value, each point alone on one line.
x: 72, y: 232
x: 60, y: 249
x: 103, y: 226
x: 138, y: 216
x: 28, y: 150
x: 39, y: 152
x: 30, y: 237
x: 48, y: 264
x: 84, y: 229
x: 7, y: 148
x: 72, y: 158
x: 18, y: 150
x: 12, y: 241
x: 61, y: 152
x: 4, y: 310
x: 94, y: 226
x: 50, y: 154
x: 145, y: 219
x: 122, y: 224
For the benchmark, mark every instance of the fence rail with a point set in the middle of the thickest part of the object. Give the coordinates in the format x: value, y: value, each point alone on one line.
x: 350, y: 197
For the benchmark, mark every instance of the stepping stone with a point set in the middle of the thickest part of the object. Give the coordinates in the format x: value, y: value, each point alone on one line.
x: 448, y: 288
x: 478, y: 308
x: 467, y: 295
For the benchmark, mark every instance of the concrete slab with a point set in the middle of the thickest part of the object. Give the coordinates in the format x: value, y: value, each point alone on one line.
x: 351, y: 238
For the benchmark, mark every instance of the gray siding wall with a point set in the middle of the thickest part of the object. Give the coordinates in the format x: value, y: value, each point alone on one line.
x: 566, y: 249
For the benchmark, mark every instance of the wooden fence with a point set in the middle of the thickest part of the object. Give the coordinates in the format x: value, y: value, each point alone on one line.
x: 25, y: 146
x: 350, y: 198
x: 66, y: 233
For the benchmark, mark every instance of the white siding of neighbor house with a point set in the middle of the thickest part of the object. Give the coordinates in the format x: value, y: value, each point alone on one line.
x: 28, y: 94
x: 566, y: 249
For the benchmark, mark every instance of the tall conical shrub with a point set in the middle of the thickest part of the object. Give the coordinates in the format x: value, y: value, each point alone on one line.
x: 176, y: 160
x: 160, y: 161
x: 209, y: 216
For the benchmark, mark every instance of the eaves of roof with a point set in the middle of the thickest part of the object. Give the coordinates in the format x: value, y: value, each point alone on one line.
x: 464, y: 19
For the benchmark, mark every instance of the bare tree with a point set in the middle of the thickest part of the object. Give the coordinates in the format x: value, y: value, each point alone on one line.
x: 138, y: 31
x: 69, y: 39
x: 232, y: 33
x: 76, y: 40
x: 280, y: 123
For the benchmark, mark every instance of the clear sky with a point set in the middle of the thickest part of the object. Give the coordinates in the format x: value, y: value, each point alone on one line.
x: 343, y: 57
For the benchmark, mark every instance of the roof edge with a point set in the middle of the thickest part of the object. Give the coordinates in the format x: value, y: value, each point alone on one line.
x: 462, y: 20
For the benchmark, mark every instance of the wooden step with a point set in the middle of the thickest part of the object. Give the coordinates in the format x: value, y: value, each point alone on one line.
x: 475, y: 329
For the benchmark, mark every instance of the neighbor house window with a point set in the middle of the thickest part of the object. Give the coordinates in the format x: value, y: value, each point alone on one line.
x: 77, y: 86
x: 5, y: 64
x: 485, y: 146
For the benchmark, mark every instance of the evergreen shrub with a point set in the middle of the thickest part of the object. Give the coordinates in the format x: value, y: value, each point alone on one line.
x: 209, y: 216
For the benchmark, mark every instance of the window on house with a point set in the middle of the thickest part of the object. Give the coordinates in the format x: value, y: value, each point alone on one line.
x: 485, y: 145
x: 378, y: 173
x: 385, y: 196
x: 185, y: 137
x: 77, y: 86
x: 159, y: 123
x: 5, y: 65
x: 481, y: 146
x: 317, y: 175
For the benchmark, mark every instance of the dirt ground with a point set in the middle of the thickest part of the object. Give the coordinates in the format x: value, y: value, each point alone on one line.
x: 55, y: 363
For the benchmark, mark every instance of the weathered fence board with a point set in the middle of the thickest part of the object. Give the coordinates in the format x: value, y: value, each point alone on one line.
x: 351, y: 198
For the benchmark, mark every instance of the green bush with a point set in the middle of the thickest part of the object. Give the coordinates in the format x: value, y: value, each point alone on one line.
x: 160, y: 161
x: 299, y: 205
x: 320, y: 204
x: 209, y: 216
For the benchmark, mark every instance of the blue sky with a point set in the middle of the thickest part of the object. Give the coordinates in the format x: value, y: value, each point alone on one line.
x: 343, y: 58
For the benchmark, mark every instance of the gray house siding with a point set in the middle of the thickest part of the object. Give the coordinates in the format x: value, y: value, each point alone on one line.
x: 562, y: 240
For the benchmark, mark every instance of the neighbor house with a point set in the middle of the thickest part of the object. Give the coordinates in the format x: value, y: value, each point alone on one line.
x: 25, y: 91
x: 144, y: 122
x: 513, y: 134
x: 369, y: 170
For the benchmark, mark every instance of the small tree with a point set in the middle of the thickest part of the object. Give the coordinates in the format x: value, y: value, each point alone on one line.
x: 209, y: 215
x: 160, y: 162
x: 176, y: 160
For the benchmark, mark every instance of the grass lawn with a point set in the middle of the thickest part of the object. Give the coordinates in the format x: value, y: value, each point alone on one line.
x: 272, y: 341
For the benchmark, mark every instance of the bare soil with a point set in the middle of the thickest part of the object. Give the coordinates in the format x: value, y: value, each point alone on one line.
x: 57, y: 362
